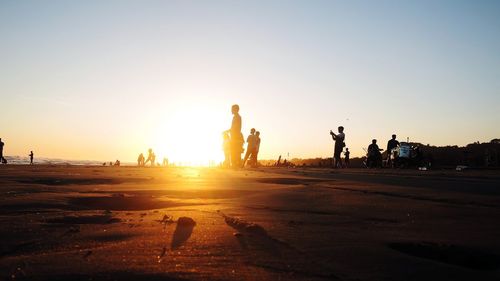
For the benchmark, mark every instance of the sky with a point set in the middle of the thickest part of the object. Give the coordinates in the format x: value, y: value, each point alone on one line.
x: 106, y: 80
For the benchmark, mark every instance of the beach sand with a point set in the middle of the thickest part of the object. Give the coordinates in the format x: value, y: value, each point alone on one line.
x: 128, y: 223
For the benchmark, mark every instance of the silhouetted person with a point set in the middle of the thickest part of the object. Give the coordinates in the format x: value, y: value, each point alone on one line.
x: 374, y: 158
x: 31, y: 157
x: 151, y: 157
x: 391, y: 145
x: 278, y: 163
x: 1, y: 152
x: 140, y: 160
x: 257, y: 148
x: 339, y: 146
x: 117, y: 163
x: 346, y: 158
x: 236, y: 137
x: 165, y: 162
x: 226, y: 147
x: 250, y: 147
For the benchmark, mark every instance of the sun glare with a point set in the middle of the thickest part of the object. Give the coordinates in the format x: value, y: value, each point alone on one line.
x: 190, y: 137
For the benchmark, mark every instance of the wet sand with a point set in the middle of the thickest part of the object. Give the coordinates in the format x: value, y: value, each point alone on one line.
x: 127, y: 223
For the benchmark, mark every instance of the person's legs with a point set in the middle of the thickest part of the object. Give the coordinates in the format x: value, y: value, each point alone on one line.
x: 247, y: 155
x: 235, y: 155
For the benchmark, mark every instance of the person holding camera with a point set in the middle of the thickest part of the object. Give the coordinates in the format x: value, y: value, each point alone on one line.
x: 339, y: 146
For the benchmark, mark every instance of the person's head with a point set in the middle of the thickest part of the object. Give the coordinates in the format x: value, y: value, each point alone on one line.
x: 347, y: 149
x: 341, y: 129
x: 150, y: 150
x: 394, y: 136
x: 257, y: 133
x: 374, y: 141
x: 252, y: 131
x: 235, y: 109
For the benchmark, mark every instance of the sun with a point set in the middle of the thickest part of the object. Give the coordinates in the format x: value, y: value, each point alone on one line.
x: 191, y: 136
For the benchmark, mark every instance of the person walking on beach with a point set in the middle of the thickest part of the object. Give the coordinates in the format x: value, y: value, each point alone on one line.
x: 250, y: 147
x: 2, y: 159
x: 346, y: 158
x: 236, y: 137
x: 391, y: 145
x: 31, y: 157
x: 339, y: 146
x: 151, y: 157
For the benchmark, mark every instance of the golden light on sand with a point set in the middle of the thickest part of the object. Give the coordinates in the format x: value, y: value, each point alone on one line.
x: 191, y: 136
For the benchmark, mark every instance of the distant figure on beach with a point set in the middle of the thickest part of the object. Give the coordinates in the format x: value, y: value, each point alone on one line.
x: 151, y: 157
x: 339, y: 146
x: 374, y: 158
x: 226, y: 147
x: 392, y: 144
x: 257, y: 148
x: 278, y: 163
x: 140, y: 160
x: 4, y: 161
x: 31, y: 157
x: 250, y: 147
x: 346, y: 158
x: 165, y: 162
x: 236, y: 137
x: 117, y: 163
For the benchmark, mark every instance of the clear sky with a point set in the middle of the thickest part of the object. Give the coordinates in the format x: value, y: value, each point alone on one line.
x: 106, y: 80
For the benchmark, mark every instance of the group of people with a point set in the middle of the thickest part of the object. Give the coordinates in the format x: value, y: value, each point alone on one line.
x: 374, y: 153
x: 4, y: 161
x: 233, y: 142
x: 142, y: 161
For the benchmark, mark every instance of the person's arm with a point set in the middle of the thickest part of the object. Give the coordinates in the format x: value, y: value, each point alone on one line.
x: 334, y: 136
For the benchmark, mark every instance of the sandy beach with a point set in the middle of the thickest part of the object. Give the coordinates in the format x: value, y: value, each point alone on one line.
x: 122, y: 223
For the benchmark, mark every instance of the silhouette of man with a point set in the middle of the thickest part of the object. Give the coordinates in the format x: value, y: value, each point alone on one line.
x: 1, y: 151
x: 31, y: 157
x: 257, y: 148
x: 339, y: 146
x: 391, y: 144
x: 250, y: 147
x: 374, y: 156
x: 346, y: 158
x: 151, y: 157
x: 236, y: 137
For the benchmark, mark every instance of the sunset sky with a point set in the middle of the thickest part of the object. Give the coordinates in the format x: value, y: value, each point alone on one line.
x: 106, y: 80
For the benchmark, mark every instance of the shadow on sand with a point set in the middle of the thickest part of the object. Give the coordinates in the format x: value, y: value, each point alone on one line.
x: 182, y: 232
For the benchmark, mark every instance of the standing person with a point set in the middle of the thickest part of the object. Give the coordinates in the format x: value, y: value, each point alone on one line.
x: 31, y: 157
x: 339, y: 146
x: 1, y: 152
x: 151, y: 157
x: 250, y: 147
x: 226, y: 147
x: 346, y: 158
x: 257, y: 148
x: 391, y: 144
x: 236, y: 137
